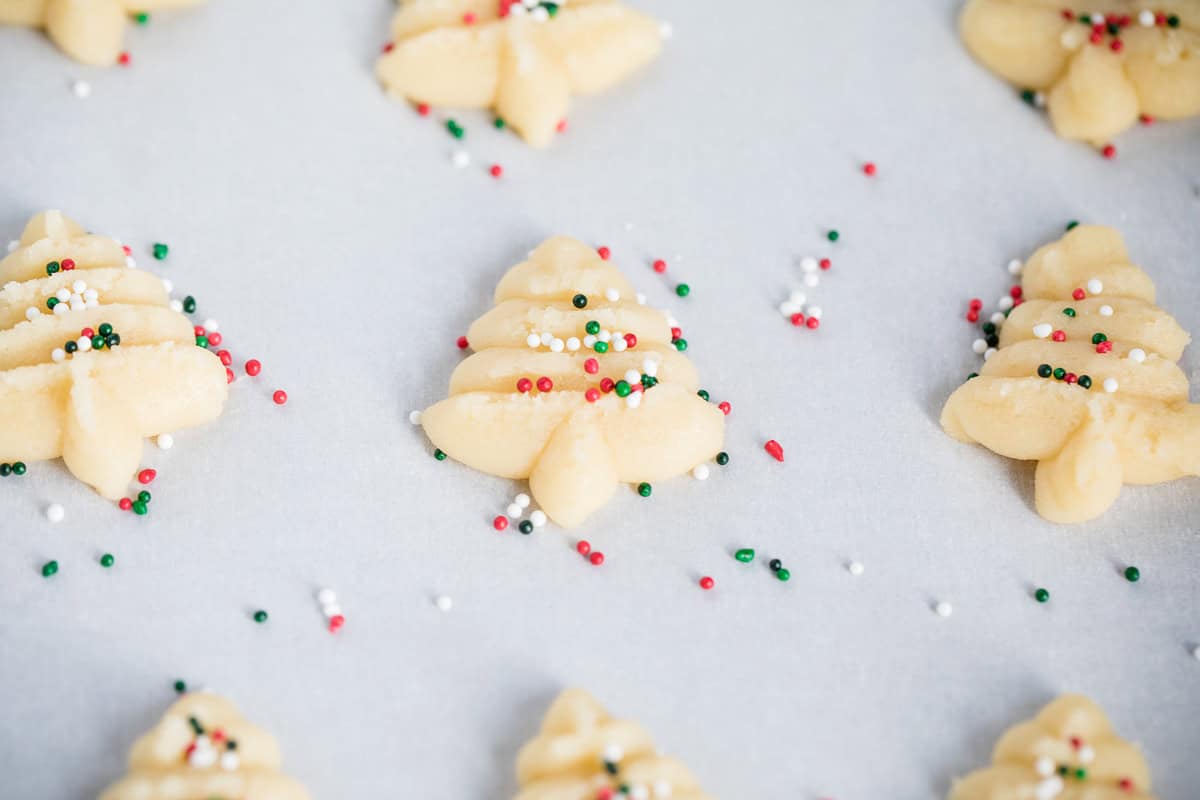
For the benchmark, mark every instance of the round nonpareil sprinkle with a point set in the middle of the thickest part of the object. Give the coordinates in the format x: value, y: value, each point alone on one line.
x: 583, y: 547
x: 745, y: 555
x: 279, y: 397
x: 500, y: 522
x: 1133, y: 574
x: 55, y: 512
x: 444, y: 602
x: 260, y: 616
x: 700, y: 472
x: 1041, y: 595
x: 49, y: 569
x: 855, y: 568
x: 107, y: 560
x: 645, y: 489
x: 943, y: 609
x: 597, y: 558
x: 706, y: 583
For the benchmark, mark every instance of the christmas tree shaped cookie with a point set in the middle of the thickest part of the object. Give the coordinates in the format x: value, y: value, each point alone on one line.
x: 1067, y: 752
x: 1099, y: 65
x: 522, y: 58
x: 575, y: 386
x: 92, y: 359
x: 584, y: 754
x: 90, y: 31
x: 203, y: 749
x: 1085, y: 381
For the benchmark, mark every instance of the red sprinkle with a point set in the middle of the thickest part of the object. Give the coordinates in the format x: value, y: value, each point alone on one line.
x: 1117, y: 45
x: 389, y: 47
x: 591, y: 366
x: 128, y: 250
x: 596, y: 558
x: 336, y: 622
x: 630, y: 340
x: 775, y: 449
x: 1015, y: 292
x: 1070, y: 377
x: 1068, y: 14
x: 1059, y: 336
x: 972, y: 316
x: 524, y: 385
x: 825, y: 264
x: 869, y: 169
x: 813, y: 323
x: 1109, y: 151
x: 706, y: 583
x: 253, y: 367
x: 1078, y: 294
x: 229, y: 376
x: 592, y: 395
x: 584, y: 547
x: 1145, y: 119
x: 1126, y: 784
x: 544, y: 384
x: 124, y: 59
x: 198, y: 330
x: 226, y: 357
x: 660, y: 266
x: 469, y: 18
x: 1097, y: 36
x: 125, y: 504
x: 606, y: 385
x: 280, y: 397
x: 725, y: 407
x: 215, y: 339
x: 496, y: 170
x: 147, y: 476
x: 976, y: 304
x: 88, y: 332
x: 500, y: 522
x: 67, y: 264
x: 798, y: 319
x: 423, y: 109
x: 462, y: 343
x: 561, y: 127
x: 1104, y: 347
x: 676, y: 333
x: 1076, y: 742
x: 603, y: 252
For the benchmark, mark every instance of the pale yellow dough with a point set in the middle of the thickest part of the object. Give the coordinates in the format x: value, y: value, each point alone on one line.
x: 173, y: 762
x: 523, y: 68
x: 89, y: 31
x: 566, y: 761
x: 1092, y: 92
x: 94, y: 408
x: 573, y: 452
x: 1073, y: 733
x: 1134, y: 425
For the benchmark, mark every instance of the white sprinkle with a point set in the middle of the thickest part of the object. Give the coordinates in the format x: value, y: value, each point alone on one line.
x: 605, y: 335
x: 84, y: 344
x: 230, y: 760
x: 1087, y: 754
x: 1196, y: 652
x: 978, y: 346
x: 1039, y: 99
x: 573, y: 344
x: 533, y: 340
x: 633, y: 376
x: 81, y: 89
x: 513, y: 511
x: 58, y: 354
x: 176, y: 306
x: 588, y: 341
x: 1005, y: 303
x: 211, y: 325
x: 13, y: 245
x: 539, y: 14
x: 330, y: 610
x: 943, y: 609
x: 79, y: 287
x: 63, y: 295
x: 1137, y: 354
x: 165, y: 441
x: 1097, y: 19
x: 671, y: 321
x: 666, y: 30
x: 557, y: 345
x: 641, y: 299
x: 60, y: 309
x: 1106, y: 311
x: 130, y: 263
x: 1095, y: 286
x: 700, y: 473
x: 811, y: 280
x: 537, y: 517
x: 662, y: 789
x: 787, y: 308
x: 55, y: 512
x: 612, y: 295
x: 998, y: 318
x: 460, y: 159
x: 1044, y: 766
x: 1049, y: 788
x: 855, y: 568
x: 815, y: 312
x: 613, y: 753
x: 168, y: 285
x: 1043, y: 330
x: 204, y: 755
x: 1015, y: 266
x: 619, y: 345
x: 414, y: 417
x: 32, y: 313
x: 327, y: 597
x: 1146, y: 18
x: 77, y: 303
x: 1111, y: 385
x: 809, y: 264
x: 650, y: 367
x: 987, y: 354
x: 546, y: 338
x: 633, y: 399
x: 639, y: 793
x: 444, y: 602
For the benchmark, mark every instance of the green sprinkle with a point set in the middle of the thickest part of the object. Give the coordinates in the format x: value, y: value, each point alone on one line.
x: 455, y: 129
x: 107, y: 560
x: 98, y: 342
x: 140, y: 508
x: 1086, y: 19
x: 439, y: 455
x: 703, y: 395
x: 1029, y: 96
x: 1059, y: 374
x: 600, y: 347
x: 141, y: 18
x: 5, y: 470
x: 592, y: 327
x: 579, y: 301
x: 649, y: 381
x: 972, y: 375
x: 49, y: 568
x: 551, y: 8
x: 526, y: 527
x: 681, y: 345
x: 1081, y: 773
x: 1070, y: 312
x: 159, y: 250
x: 189, y: 304
x: 722, y: 458
x: 52, y: 267
x: 105, y: 329
x: 112, y: 340
x: 745, y: 555
x: 499, y: 123
x: 1045, y: 371
x: 1097, y: 338
x: 989, y: 328
x: 1041, y: 595
x: 180, y: 687
x: 622, y: 388
x: 143, y: 496
x: 1133, y: 574
x: 993, y: 341
x: 51, y: 302
x: 833, y: 235
x: 1085, y: 381
x: 197, y: 728
x: 783, y: 574
x: 1173, y: 21
x: 1072, y: 224
x: 683, y: 290
x: 18, y: 468
x: 644, y: 489
x: 260, y: 616
x: 201, y: 341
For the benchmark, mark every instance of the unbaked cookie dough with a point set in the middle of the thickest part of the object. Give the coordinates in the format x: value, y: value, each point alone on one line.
x: 71, y: 390
x: 1085, y: 381
x: 203, y: 749
x: 582, y: 753
x: 575, y: 386
x: 1067, y: 752
x: 522, y: 58
x: 1098, y: 65
x: 89, y: 31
